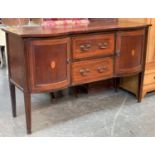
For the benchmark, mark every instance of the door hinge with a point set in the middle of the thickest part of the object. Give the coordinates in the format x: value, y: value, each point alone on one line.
x: 118, y: 53
x: 68, y: 60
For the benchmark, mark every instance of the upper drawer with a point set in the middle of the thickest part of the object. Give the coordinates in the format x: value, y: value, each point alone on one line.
x: 93, y: 45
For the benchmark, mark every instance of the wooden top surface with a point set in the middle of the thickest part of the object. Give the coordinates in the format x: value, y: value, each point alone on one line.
x: 38, y: 31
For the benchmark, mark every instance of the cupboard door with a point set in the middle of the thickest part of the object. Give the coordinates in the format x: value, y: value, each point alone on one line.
x: 129, y: 52
x: 49, y: 67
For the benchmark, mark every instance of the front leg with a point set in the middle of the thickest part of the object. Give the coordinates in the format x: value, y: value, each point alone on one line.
x: 27, y: 99
x: 13, y: 98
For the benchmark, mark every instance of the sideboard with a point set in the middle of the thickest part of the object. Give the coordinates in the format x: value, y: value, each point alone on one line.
x: 46, y: 59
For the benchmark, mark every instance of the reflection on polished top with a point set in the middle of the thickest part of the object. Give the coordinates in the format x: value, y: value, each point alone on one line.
x: 38, y: 31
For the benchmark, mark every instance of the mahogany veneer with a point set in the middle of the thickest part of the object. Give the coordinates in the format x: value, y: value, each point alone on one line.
x: 92, y: 70
x: 93, y: 45
x: 45, y: 60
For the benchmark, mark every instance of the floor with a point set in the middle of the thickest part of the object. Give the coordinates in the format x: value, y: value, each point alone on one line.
x: 102, y: 114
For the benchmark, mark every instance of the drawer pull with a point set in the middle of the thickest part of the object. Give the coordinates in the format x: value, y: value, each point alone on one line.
x: 85, y: 47
x: 84, y: 72
x: 103, y: 45
x: 101, y: 69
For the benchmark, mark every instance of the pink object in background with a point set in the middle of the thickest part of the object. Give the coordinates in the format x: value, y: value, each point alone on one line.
x: 64, y: 22
x: 47, y: 24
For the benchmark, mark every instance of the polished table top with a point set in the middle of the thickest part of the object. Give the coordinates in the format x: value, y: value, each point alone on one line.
x: 39, y: 31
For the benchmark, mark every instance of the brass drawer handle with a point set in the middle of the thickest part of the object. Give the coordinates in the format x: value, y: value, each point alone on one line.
x: 84, y: 72
x: 85, y: 47
x: 103, y: 45
x: 102, y: 69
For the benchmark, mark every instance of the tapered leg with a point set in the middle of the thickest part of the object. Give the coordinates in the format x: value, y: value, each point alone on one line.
x: 53, y: 97
x: 116, y: 84
x: 27, y: 99
x: 140, y: 87
x: 13, y: 99
x: 75, y: 91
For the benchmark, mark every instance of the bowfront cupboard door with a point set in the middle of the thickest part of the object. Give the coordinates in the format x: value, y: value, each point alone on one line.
x: 129, y: 52
x: 49, y: 65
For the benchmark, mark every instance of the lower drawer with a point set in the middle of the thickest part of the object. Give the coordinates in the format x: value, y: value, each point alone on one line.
x: 92, y: 70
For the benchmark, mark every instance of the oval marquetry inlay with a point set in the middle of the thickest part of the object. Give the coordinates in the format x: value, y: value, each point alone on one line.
x: 53, y: 64
x: 133, y: 52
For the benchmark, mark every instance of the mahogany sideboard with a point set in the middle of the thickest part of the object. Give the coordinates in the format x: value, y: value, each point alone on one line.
x: 46, y: 60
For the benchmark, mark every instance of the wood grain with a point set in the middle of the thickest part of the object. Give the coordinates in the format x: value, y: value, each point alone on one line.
x: 129, y: 51
x: 92, y: 70
x: 49, y: 69
x: 93, y: 45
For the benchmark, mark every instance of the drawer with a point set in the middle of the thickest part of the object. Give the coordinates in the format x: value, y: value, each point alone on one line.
x: 149, y: 78
x: 93, y: 45
x: 92, y: 70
